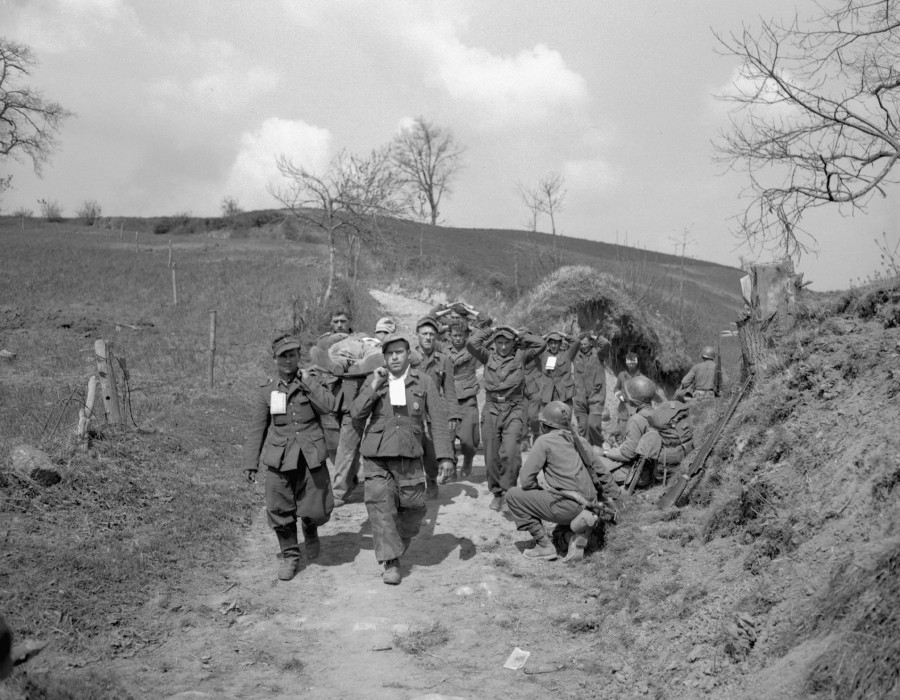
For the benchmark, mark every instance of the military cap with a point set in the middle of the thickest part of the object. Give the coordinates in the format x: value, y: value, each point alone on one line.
x: 428, y: 321
x: 283, y: 343
x: 506, y: 331
x: 395, y: 338
x: 553, y: 335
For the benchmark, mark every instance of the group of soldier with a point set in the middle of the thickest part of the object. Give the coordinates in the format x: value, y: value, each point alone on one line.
x: 400, y: 406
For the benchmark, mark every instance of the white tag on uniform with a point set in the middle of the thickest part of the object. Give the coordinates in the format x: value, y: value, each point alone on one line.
x: 551, y: 363
x: 278, y: 403
x: 397, y: 391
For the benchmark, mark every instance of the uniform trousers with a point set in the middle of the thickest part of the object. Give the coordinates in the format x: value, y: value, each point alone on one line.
x: 395, y: 501
x: 301, y: 492
x: 501, y: 430
x: 346, y: 461
x: 468, y: 430
x: 590, y: 426
x: 530, y: 507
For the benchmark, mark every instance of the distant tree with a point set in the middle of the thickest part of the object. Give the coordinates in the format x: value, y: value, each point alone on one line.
x: 427, y: 158
x: 230, y: 206
x: 90, y: 212
x: 28, y: 122
x: 50, y: 210
x: 817, y: 117
x: 351, y: 197
x: 551, y: 189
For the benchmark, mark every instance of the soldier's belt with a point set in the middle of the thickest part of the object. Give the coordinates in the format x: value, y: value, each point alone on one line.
x: 492, y: 397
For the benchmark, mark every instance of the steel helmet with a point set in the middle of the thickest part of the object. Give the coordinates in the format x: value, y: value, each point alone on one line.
x: 708, y: 353
x: 556, y: 414
x: 640, y: 389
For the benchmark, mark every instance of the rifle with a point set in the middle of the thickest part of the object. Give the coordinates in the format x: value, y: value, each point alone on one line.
x: 603, y: 504
x: 681, y: 482
x: 603, y: 508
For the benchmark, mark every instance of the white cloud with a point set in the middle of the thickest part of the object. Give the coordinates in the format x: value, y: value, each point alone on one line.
x: 55, y: 26
x: 529, y: 86
x: 254, y: 167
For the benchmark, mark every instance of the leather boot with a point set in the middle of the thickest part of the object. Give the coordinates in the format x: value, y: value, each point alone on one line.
x: 543, y: 548
x: 290, y: 553
x: 391, y: 575
x: 311, y: 545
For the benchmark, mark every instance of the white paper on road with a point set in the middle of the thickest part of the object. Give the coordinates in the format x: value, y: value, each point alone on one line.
x: 517, y: 659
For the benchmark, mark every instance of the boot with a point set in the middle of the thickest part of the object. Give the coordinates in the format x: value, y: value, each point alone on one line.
x: 542, y: 549
x: 577, y: 543
x: 497, y: 502
x: 391, y: 575
x: 311, y: 545
x: 290, y: 553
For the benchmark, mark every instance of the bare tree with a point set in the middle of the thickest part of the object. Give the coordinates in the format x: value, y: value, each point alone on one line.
x: 816, y: 120
x: 230, y: 206
x: 551, y: 189
x: 351, y: 197
x: 427, y: 158
x: 28, y: 122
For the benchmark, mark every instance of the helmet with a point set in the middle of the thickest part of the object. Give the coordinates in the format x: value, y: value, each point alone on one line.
x: 708, y: 353
x: 640, y: 389
x: 556, y: 414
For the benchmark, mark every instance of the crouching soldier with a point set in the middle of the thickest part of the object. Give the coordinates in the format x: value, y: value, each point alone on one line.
x: 669, y: 440
x: 703, y: 379
x: 570, y: 498
x: 286, y: 438
x: 395, y: 403
x: 639, y: 394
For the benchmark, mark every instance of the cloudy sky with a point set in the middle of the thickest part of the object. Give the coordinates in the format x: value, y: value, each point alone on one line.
x: 182, y: 102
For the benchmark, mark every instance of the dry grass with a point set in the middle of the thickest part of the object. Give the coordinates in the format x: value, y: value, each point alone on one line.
x: 419, y: 641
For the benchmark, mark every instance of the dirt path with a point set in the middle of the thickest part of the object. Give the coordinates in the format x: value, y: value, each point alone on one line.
x: 330, y: 633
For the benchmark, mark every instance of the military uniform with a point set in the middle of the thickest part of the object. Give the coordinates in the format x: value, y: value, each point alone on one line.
x: 466, y: 384
x: 617, y: 460
x: 291, y: 447
x: 700, y: 381
x: 556, y: 456
x: 533, y: 381
x: 670, y: 439
x: 392, y: 451
x: 502, y: 418
x: 589, y: 376
x: 439, y: 367
x: 557, y: 383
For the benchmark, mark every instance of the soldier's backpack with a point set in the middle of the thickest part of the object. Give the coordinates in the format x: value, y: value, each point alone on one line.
x: 670, y: 420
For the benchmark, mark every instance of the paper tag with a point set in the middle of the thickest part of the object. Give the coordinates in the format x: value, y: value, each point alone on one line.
x: 517, y: 659
x: 278, y: 403
x: 397, y: 391
x: 551, y: 363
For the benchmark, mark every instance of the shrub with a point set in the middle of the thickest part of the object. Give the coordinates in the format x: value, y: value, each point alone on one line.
x: 50, y: 210
x: 230, y: 206
x: 89, y: 212
x: 23, y: 213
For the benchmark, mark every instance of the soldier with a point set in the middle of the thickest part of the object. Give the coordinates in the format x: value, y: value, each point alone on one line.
x: 502, y: 418
x: 589, y: 376
x: 437, y: 365
x: 570, y: 470
x: 557, y: 383
x: 286, y: 437
x: 702, y: 380
x: 395, y: 403
x: 533, y: 380
x: 640, y: 393
x: 340, y: 321
x: 466, y: 381
x: 670, y: 440
x: 385, y: 327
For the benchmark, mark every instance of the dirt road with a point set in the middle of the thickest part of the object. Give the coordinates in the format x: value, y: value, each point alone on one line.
x: 330, y: 633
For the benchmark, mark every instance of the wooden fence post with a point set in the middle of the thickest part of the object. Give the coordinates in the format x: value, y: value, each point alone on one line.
x: 174, y: 287
x: 86, y: 413
x: 108, y: 386
x: 136, y: 249
x: 212, y: 347
x: 170, y: 252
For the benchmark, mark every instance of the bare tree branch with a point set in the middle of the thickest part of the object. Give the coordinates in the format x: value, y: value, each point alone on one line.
x: 427, y: 158
x: 816, y: 116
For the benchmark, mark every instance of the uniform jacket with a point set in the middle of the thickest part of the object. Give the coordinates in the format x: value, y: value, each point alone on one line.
x: 701, y: 377
x: 334, y: 384
x: 589, y: 376
x: 635, y: 428
x: 439, y: 367
x: 555, y: 455
x: 277, y: 442
x: 397, y: 431
x: 464, y: 373
x: 505, y: 375
x: 557, y: 384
